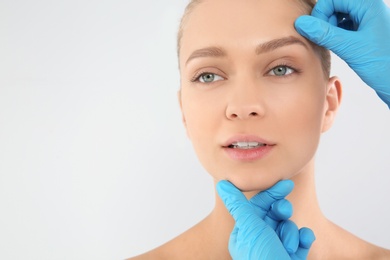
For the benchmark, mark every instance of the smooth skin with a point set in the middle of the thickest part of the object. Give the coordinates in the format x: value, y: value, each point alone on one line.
x: 246, y: 97
x: 262, y: 231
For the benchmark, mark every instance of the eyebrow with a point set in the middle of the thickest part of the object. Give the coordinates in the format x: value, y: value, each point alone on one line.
x: 207, y: 52
x: 271, y: 45
x: 278, y: 43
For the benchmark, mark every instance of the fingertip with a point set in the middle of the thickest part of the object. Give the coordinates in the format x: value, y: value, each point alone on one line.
x: 301, y: 22
x: 288, y: 232
x: 230, y: 195
x: 303, y: 18
x: 221, y: 184
x: 306, y: 237
x: 224, y: 186
x: 289, y: 183
x: 284, y: 187
x: 281, y: 209
x: 237, y: 204
x: 309, y: 27
x: 223, y: 189
x: 323, y: 10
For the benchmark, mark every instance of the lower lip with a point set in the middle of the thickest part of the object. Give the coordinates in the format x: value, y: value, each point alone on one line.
x: 248, y: 155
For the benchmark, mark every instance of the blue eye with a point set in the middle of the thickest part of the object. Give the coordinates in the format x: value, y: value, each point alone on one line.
x: 209, y: 77
x: 281, y: 71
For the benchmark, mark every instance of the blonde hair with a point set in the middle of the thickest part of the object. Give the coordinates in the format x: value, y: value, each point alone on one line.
x: 307, y: 6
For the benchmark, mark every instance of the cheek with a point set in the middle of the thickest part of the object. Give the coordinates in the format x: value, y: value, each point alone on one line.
x: 203, y: 113
x: 203, y: 120
x: 304, y: 118
x: 301, y: 120
x: 302, y: 104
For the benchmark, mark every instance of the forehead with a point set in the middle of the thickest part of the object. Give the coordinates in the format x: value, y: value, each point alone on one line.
x: 239, y: 22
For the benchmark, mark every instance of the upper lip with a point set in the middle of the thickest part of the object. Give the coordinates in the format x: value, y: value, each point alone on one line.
x: 246, y: 138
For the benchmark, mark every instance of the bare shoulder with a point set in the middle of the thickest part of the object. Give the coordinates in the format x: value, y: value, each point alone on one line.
x: 155, y: 254
x: 371, y: 251
x: 192, y: 244
x: 380, y: 253
x: 172, y: 250
x: 169, y: 250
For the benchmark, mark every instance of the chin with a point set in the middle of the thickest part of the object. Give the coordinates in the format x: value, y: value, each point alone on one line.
x: 254, y: 183
x: 248, y: 181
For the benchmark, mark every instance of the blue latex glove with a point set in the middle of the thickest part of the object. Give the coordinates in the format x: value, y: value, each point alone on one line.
x: 262, y: 230
x: 366, y: 50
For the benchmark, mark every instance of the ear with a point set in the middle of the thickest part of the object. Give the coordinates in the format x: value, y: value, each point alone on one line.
x: 332, y: 102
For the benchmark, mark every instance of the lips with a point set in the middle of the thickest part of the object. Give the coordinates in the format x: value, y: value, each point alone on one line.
x: 246, y: 142
x: 247, y: 148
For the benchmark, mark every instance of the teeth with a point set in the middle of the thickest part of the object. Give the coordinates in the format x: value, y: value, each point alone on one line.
x: 246, y: 145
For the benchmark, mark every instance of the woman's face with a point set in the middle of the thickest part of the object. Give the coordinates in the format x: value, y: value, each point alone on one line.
x: 253, y: 93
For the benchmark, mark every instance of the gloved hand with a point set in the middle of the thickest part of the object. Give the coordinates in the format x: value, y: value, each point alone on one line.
x: 262, y: 230
x: 366, y: 50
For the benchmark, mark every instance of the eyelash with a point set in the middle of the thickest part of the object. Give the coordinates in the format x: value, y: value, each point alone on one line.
x: 294, y: 70
x: 196, y: 77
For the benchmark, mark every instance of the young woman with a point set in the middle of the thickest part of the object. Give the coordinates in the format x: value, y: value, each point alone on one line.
x: 255, y: 97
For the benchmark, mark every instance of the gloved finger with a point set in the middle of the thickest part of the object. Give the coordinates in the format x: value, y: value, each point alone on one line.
x: 324, y: 9
x: 233, y: 238
x: 280, y: 210
x: 306, y: 239
x: 324, y: 34
x: 289, y: 235
x: 266, y: 198
x: 237, y: 204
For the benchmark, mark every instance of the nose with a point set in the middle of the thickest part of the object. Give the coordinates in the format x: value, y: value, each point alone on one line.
x: 245, y: 105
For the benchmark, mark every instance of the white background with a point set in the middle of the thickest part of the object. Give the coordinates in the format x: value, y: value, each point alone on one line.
x: 94, y: 160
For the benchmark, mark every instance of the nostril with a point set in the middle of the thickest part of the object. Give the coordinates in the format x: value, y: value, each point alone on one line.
x: 253, y: 114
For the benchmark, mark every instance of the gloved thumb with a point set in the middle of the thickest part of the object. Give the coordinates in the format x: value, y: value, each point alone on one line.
x: 236, y: 202
x: 323, y: 33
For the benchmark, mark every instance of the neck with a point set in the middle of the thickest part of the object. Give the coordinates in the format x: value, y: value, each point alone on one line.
x: 304, y: 199
x: 307, y: 212
x: 210, y: 238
